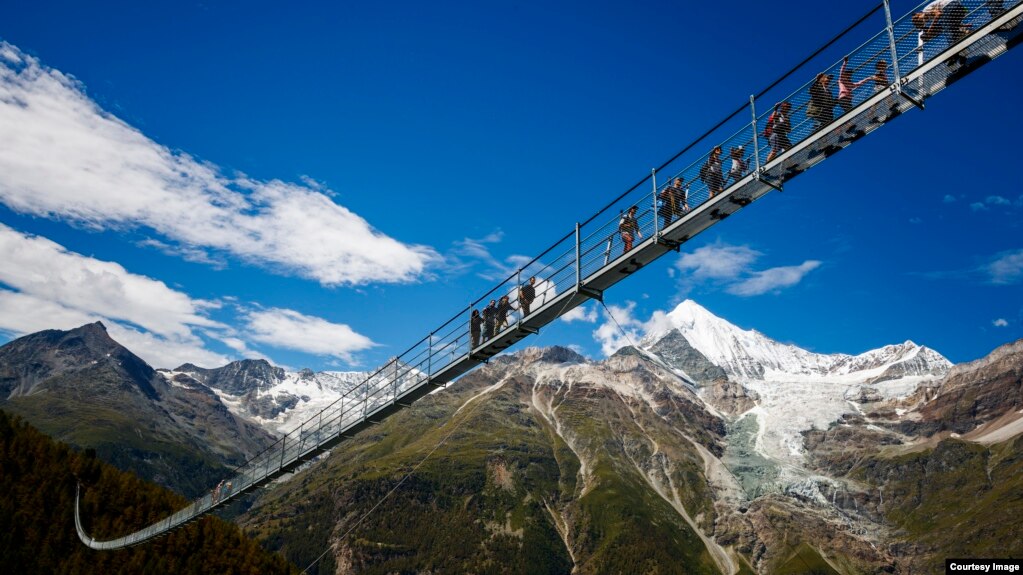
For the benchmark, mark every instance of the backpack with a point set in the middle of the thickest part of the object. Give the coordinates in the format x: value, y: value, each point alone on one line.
x: 769, y: 128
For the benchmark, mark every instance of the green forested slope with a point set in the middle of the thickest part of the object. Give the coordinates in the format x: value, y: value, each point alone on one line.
x: 37, y: 529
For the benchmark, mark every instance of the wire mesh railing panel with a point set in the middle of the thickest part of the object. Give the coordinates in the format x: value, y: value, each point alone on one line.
x: 931, y: 28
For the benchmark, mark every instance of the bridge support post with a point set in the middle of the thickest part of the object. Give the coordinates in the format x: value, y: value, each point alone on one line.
x: 578, y: 264
x: 284, y: 450
x: 518, y: 286
x: 758, y: 170
x: 891, y: 45
x: 756, y: 137
x: 365, y: 398
x: 653, y: 180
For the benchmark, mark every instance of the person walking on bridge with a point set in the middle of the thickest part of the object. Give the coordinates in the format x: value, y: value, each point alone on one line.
x: 740, y: 165
x: 628, y: 229
x: 504, y: 306
x: 475, y: 326
x: 666, y: 207
x: 489, y: 317
x: 942, y: 17
x: 780, y: 124
x: 527, y: 293
x: 711, y: 173
x: 846, y: 86
x: 821, y: 107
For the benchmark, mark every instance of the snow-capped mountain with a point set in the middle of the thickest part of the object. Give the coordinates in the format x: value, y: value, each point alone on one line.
x: 747, y: 355
x: 795, y: 390
x: 277, y: 399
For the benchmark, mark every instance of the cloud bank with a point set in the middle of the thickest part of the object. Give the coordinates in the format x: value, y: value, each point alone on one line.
x: 65, y: 158
x: 45, y: 286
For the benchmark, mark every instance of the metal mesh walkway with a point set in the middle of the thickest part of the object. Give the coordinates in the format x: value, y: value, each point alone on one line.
x: 902, y: 63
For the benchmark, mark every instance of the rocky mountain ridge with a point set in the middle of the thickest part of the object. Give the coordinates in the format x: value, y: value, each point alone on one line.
x: 82, y: 387
x: 733, y: 470
x: 276, y: 399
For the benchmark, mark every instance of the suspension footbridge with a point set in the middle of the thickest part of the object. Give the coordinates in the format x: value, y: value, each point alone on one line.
x: 774, y: 137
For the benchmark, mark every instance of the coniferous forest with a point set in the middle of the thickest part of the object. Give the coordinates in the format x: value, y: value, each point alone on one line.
x: 37, y: 526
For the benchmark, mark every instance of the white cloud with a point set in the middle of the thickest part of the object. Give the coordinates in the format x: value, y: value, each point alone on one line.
x: 978, y: 207
x: 285, y: 328
x: 773, y: 279
x: 45, y: 286
x: 997, y: 201
x: 22, y: 313
x: 1007, y: 268
x: 63, y: 157
x: 578, y: 349
x: 719, y: 262
x: 732, y: 266
x: 41, y: 268
x: 915, y: 221
x: 612, y: 337
x: 949, y: 198
x: 583, y: 313
x: 1000, y: 322
x: 467, y: 252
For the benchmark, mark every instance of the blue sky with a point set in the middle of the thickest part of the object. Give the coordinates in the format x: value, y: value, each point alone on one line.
x: 323, y: 186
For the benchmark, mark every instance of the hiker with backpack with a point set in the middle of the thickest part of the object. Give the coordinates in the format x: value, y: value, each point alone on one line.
x: 779, y: 125
x: 821, y: 108
x: 673, y: 202
x: 710, y: 173
x: 942, y: 17
x: 628, y: 229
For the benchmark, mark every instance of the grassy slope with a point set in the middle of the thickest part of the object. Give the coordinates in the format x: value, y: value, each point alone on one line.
x: 959, y: 499
x: 483, y: 501
x: 121, y: 440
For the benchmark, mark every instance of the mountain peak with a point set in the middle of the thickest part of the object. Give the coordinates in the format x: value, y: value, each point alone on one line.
x: 54, y: 353
x: 238, y: 377
x: 553, y: 354
x: 748, y: 354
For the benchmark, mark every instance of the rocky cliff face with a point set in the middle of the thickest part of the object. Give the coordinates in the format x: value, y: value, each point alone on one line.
x: 237, y: 377
x: 28, y: 364
x: 978, y: 392
x: 276, y: 399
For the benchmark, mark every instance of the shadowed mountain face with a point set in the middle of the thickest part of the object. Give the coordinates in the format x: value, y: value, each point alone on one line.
x: 82, y: 387
x: 237, y: 377
x: 34, y: 363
